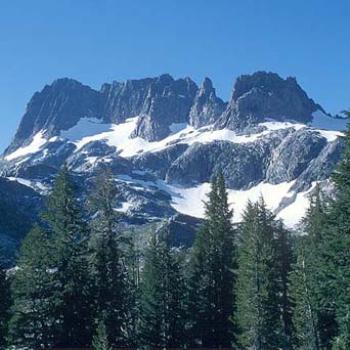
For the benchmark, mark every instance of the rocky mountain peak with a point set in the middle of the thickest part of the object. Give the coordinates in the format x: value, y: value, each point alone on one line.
x: 280, y: 160
x: 168, y: 102
x: 265, y: 95
x: 207, y: 107
x: 56, y: 107
x: 207, y: 85
x: 162, y: 101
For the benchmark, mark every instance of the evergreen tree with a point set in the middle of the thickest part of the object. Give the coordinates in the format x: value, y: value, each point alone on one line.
x: 4, y: 301
x: 107, y: 263
x: 313, y: 315
x: 335, y: 253
x: 284, y: 259
x: 100, y: 340
x: 212, y: 277
x: 134, y: 256
x: 305, y: 312
x: 258, y: 296
x: 162, y: 290
x: 68, y: 238
x: 33, y: 321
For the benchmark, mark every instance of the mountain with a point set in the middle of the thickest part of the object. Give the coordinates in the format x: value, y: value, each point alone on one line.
x: 164, y: 138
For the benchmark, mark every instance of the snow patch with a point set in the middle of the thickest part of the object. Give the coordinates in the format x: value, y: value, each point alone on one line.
x: 293, y: 213
x: 84, y: 128
x: 125, y: 206
x: 190, y: 201
x: 35, y: 185
x: 118, y: 135
x: 36, y: 144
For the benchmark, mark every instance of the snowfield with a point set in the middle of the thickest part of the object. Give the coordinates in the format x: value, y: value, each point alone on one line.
x: 185, y: 200
x: 189, y: 200
x: 38, y: 141
x: 118, y: 135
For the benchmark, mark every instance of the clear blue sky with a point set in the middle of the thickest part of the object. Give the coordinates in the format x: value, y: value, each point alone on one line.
x: 96, y: 41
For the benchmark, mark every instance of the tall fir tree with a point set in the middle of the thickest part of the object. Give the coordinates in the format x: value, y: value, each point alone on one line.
x: 68, y: 237
x: 305, y: 310
x: 32, y: 324
x: 134, y: 257
x: 107, y: 263
x: 313, y: 316
x: 211, y: 297
x: 4, y: 301
x: 335, y: 253
x: 284, y: 251
x: 162, y: 289
x: 100, y: 340
x: 258, y: 286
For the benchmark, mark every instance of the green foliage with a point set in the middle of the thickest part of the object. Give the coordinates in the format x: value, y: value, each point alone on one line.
x: 258, y: 286
x: 78, y: 275
x: 306, y: 318
x: 100, y: 340
x: 33, y: 321
x: 212, y: 276
x: 68, y: 239
x: 284, y: 261
x: 133, y: 248
x: 313, y: 317
x: 162, y: 291
x: 334, y: 251
x: 4, y: 301
x: 106, y: 262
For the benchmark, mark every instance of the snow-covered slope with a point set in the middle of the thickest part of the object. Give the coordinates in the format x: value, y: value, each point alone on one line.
x: 119, y: 136
x: 184, y: 199
x: 163, y: 140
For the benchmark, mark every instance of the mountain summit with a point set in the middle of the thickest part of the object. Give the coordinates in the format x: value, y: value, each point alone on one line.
x: 162, y: 101
x: 164, y: 138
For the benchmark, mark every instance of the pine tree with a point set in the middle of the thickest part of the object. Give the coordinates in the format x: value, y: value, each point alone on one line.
x: 283, y: 244
x: 100, y: 340
x: 162, y: 290
x: 306, y: 319
x: 4, y: 301
x: 107, y: 263
x: 258, y: 303
x: 134, y: 257
x: 68, y: 238
x: 212, y: 277
x: 313, y: 314
x: 335, y: 253
x: 33, y: 321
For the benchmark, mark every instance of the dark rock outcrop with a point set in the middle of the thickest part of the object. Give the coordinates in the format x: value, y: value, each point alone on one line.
x: 168, y: 102
x: 207, y: 107
x: 293, y: 155
x: 57, y: 107
x: 266, y: 95
x: 242, y: 165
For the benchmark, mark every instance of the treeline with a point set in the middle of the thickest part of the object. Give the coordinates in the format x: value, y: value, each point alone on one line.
x: 83, y: 283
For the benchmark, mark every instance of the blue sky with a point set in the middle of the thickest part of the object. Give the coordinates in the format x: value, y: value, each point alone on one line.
x: 96, y: 41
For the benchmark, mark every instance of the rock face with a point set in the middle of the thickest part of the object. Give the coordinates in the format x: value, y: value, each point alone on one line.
x: 160, y: 102
x: 163, y: 158
x: 266, y: 95
x: 57, y: 107
x: 207, y: 107
x: 168, y: 102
